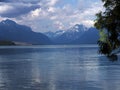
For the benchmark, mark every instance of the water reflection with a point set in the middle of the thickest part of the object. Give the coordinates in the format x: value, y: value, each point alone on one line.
x: 73, y: 68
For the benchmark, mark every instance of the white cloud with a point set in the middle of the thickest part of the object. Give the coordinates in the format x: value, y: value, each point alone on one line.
x: 35, y: 13
x: 52, y: 2
x: 1, y: 18
x: 51, y: 9
x: 88, y: 23
x: 14, y: 10
x: 5, y: 8
x: 52, y: 16
x: 63, y: 18
x: 59, y: 25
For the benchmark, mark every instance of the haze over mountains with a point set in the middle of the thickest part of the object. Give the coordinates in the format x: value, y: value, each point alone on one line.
x: 78, y: 34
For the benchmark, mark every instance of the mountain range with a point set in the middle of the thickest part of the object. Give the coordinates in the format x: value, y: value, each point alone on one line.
x: 78, y: 34
x: 11, y: 31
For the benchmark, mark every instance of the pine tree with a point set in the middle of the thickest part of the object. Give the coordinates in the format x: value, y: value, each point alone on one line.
x: 108, y: 24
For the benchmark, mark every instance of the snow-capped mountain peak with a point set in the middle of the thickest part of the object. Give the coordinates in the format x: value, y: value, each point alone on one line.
x: 8, y: 22
x: 60, y: 32
x: 76, y: 34
x: 71, y: 34
x: 78, y: 28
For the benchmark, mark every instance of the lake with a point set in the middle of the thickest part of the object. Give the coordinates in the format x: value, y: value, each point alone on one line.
x: 57, y: 67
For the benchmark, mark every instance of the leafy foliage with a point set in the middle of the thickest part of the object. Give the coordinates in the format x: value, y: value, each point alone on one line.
x: 108, y: 23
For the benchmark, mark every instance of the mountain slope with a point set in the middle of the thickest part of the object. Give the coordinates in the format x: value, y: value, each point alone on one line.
x: 71, y: 34
x: 11, y: 31
x: 90, y: 36
x: 78, y: 34
x: 54, y: 35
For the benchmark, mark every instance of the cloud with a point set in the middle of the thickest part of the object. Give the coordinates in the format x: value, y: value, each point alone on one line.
x: 52, y: 2
x: 51, y: 15
x: 23, y: 1
x: 11, y: 10
x: 58, y: 25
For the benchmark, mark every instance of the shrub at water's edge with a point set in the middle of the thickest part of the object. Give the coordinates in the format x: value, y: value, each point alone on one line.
x: 6, y: 43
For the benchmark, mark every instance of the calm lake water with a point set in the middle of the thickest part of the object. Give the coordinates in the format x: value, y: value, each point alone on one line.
x: 57, y: 68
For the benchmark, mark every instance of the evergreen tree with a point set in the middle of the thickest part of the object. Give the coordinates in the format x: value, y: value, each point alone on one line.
x: 108, y: 23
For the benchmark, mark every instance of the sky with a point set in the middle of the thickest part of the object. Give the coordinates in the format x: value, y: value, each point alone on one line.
x: 50, y: 15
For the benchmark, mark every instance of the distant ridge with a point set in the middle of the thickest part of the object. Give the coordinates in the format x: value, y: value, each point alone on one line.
x: 23, y: 35
x: 78, y: 34
x: 11, y: 31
